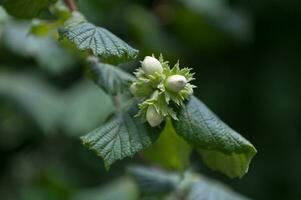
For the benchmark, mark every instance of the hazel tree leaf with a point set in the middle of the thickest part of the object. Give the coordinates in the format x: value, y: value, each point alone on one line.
x: 110, y: 78
x: 123, y: 188
x: 83, y: 110
x: 26, y: 9
x: 221, y: 148
x: 121, y: 137
x: 174, y: 151
x: 98, y: 40
x: 206, y: 189
x: 154, y: 181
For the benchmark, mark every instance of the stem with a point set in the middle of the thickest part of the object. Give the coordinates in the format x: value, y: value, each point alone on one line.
x: 116, y: 101
x: 70, y: 4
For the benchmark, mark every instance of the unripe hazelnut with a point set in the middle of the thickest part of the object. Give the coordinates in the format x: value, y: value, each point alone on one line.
x: 133, y: 88
x: 176, y: 83
x: 153, y: 117
x: 151, y: 65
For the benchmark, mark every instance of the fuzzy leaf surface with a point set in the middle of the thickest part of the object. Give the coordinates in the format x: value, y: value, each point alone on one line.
x: 121, y: 137
x: 221, y: 148
x: 110, y: 78
x: 98, y: 40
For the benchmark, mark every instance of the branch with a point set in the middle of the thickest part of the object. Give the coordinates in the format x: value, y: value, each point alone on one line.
x: 70, y: 4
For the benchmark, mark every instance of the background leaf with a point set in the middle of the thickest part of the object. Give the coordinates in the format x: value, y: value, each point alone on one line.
x: 206, y: 189
x: 123, y: 188
x: 232, y: 21
x: 98, y: 40
x: 169, y: 151
x: 77, y: 110
x: 16, y: 38
x: 110, y: 78
x: 169, y: 185
x: 86, y: 107
x: 153, y: 181
x: 121, y: 137
x: 26, y: 9
x: 34, y: 96
x: 221, y: 148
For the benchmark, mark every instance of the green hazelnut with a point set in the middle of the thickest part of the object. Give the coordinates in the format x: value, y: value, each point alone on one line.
x: 151, y: 65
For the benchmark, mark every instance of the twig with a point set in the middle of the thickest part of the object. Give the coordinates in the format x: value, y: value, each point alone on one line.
x: 70, y: 4
x: 116, y: 101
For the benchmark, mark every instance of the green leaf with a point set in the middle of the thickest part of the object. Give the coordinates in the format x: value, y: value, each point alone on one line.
x: 34, y: 96
x: 169, y: 151
x: 3, y: 15
x: 153, y: 181
x: 86, y: 108
x: 238, y: 26
x: 206, y: 189
x: 110, y: 78
x: 98, y: 40
x: 123, y: 188
x: 121, y: 137
x: 42, y: 49
x: 26, y: 9
x: 221, y: 148
x: 41, y: 28
x: 3, y: 19
x: 169, y: 185
x: 77, y: 110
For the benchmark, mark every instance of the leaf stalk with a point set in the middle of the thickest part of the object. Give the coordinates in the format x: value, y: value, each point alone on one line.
x: 70, y: 4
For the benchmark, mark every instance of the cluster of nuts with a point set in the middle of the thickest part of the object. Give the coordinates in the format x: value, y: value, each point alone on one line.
x: 161, y: 89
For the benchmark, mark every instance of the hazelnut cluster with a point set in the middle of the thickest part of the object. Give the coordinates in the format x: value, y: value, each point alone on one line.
x: 161, y: 89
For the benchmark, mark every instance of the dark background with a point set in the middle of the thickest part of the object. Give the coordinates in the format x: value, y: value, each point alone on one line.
x: 247, y: 58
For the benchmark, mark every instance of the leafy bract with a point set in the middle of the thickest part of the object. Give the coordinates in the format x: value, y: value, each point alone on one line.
x: 26, y: 9
x: 169, y: 151
x: 98, y: 40
x: 123, y: 136
x: 110, y: 78
x: 221, y: 148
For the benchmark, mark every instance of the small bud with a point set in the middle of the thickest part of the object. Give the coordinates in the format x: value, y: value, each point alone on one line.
x: 150, y: 65
x: 153, y: 117
x: 133, y: 88
x: 176, y: 83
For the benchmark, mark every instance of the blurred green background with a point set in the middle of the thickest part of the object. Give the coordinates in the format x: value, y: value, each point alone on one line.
x: 245, y: 54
